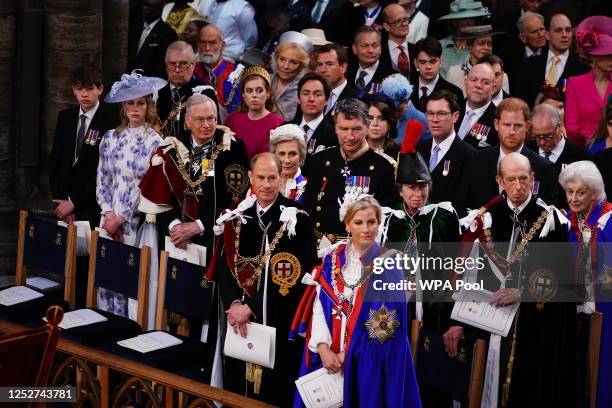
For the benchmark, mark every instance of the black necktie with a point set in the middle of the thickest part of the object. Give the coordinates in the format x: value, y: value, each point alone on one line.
x: 361, y: 79
x: 176, y: 96
x: 81, y: 135
x: 423, y: 92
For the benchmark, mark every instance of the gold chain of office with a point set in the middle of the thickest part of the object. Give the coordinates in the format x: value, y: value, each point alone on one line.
x: 185, y: 174
x: 519, y: 250
x: 261, y: 261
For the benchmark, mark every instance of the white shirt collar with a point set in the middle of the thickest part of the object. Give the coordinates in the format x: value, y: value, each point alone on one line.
x: 529, y: 52
x: 562, y: 57
x: 338, y: 90
x: 313, y: 124
x: 430, y: 87
x: 497, y: 99
x: 370, y: 70
x: 478, y: 112
x: 259, y: 208
x: 556, y: 152
x: 151, y: 25
x: 445, y: 145
x: 393, y: 45
x: 90, y: 113
x: 502, y: 154
x: 520, y: 207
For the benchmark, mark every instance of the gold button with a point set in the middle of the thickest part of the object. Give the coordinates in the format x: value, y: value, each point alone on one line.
x: 371, y: 168
x: 327, y: 163
x: 318, y: 224
x: 318, y: 208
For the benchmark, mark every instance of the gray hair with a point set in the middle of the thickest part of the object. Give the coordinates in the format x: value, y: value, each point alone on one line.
x: 352, y: 108
x: 197, y: 99
x: 517, y: 158
x: 548, y: 112
x: 587, y: 172
x: 180, y: 46
x: 520, y: 23
x: 288, y: 133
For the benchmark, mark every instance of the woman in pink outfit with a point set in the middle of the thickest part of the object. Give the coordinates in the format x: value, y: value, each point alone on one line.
x: 587, y: 94
x: 253, y: 123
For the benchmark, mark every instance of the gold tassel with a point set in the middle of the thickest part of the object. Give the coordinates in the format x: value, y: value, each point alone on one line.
x: 253, y: 374
x: 183, y: 327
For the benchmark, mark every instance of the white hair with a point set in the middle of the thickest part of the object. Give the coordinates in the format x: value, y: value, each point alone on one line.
x: 516, y: 158
x: 181, y: 46
x: 587, y: 172
x: 197, y: 99
x: 548, y: 112
x: 520, y: 23
x: 287, y: 133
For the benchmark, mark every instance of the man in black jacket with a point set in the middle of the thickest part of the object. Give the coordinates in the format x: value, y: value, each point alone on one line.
x: 428, y: 60
x: 149, y: 39
x: 553, y: 66
x: 172, y: 98
x: 446, y: 154
x: 478, y: 183
x: 74, y: 159
x: 551, y: 144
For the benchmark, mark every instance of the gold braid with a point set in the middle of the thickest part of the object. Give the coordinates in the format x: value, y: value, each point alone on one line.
x: 172, y: 114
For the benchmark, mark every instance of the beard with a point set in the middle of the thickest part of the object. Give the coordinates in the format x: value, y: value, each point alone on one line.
x: 209, y: 58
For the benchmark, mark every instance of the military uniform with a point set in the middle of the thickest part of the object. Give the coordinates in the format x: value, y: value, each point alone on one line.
x: 333, y: 176
x: 263, y: 261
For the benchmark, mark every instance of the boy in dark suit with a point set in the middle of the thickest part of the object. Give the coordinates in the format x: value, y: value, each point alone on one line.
x: 74, y: 158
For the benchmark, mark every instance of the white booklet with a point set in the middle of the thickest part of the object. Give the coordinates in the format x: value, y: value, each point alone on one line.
x: 258, y: 347
x: 81, y: 317
x: 151, y: 341
x: 83, y: 236
x: 17, y: 294
x: 320, y: 389
x: 41, y: 283
x: 195, y: 254
x: 472, y: 307
x: 127, y: 239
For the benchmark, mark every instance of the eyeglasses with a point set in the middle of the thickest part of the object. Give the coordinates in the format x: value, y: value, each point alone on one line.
x: 545, y: 136
x: 199, y: 121
x: 437, y: 115
x: 181, y: 65
x: 400, y: 21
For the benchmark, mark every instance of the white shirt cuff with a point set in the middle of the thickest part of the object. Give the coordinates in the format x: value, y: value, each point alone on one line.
x: 201, y: 226
x: 174, y: 222
x: 320, y: 332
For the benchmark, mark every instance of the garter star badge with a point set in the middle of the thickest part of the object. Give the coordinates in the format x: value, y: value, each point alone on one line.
x: 382, y: 324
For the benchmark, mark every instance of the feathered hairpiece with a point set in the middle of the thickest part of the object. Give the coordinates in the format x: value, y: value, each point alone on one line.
x: 349, y: 199
x: 396, y: 87
x: 412, y: 134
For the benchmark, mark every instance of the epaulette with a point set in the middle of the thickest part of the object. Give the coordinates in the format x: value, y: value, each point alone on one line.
x: 387, y: 157
x: 323, y: 150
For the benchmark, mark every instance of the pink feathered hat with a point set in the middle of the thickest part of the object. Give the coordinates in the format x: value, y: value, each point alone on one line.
x: 594, y: 35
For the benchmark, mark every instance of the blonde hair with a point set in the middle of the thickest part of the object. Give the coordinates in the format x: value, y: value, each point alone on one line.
x: 363, y: 203
x: 151, y: 117
x: 302, y: 54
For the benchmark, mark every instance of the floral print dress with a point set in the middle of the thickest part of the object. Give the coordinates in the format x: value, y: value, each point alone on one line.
x: 124, y: 160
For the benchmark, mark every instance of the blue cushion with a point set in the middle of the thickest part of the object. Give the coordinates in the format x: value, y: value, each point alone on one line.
x: 113, y: 329
x: 169, y: 359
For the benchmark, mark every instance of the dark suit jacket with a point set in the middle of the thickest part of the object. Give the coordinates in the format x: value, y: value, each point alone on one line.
x: 444, y: 187
x: 164, y: 107
x: 442, y: 83
x: 381, y: 73
x: 570, y: 154
x: 533, y: 74
x: 486, y: 119
x: 324, y: 135
x: 77, y: 180
x: 478, y: 184
x: 385, y: 56
x: 603, y: 160
x: 338, y: 22
x: 151, y: 56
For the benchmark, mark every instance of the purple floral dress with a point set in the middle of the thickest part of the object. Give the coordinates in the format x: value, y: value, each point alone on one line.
x: 124, y: 160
